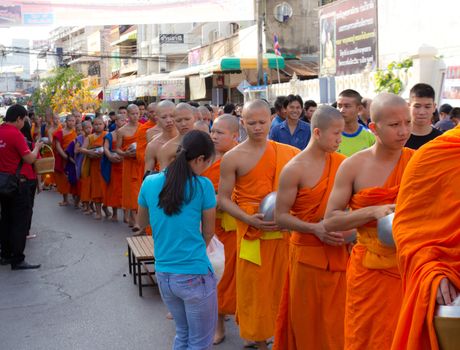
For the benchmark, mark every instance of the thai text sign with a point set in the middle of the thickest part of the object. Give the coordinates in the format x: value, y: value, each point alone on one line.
x: 348, y: 36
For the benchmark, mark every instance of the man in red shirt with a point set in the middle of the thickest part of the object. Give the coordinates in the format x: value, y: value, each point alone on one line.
x: 13, y: 227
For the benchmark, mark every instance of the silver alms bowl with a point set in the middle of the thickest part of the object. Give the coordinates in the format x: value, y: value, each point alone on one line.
x: 267, y: 206
x: 385, y: 230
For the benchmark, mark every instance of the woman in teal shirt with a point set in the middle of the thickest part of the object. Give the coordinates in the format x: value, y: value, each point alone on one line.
x: 180, y: 207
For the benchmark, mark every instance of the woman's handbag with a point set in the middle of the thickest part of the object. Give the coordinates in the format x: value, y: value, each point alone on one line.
x: 9, y: 183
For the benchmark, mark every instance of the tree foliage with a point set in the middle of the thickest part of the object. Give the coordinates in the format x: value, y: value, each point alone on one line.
x: 63, y: 92
x: 388, y: 80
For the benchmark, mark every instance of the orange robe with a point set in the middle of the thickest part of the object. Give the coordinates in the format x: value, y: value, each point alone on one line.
x: 130, y: 176
x: 141, y: 139
x: 373, y: 280
x: 84, y: 182
x: 312, y: 307
x: 426, y: 229
x: 226, y: 289
x: 258, y: 287
x: 97, y: 183
x: 62, y: 182
x: 49, y: 178
x: 113, y: 194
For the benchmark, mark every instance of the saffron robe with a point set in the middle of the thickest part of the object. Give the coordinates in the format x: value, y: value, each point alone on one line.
x: 130, y: 184
x: 226, y: 232
x: 97, y: 183
x: 312, y: 307
x: 258, y: 286
x: 62, y: 182
x: 113, y: 195
x: 141, y: 140
x: 426, y: 230
x: 373, y: 280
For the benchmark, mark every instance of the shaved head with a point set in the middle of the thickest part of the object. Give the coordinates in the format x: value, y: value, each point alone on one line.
x: 251, y: 106
x: 201, y: 125
x: 382, y: 101
x: 230, y: 122
x: 165, y: 104
x: 324, y: 116
x: 132, y: 107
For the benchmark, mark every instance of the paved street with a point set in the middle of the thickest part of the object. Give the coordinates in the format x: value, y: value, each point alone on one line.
x: 82, y: 297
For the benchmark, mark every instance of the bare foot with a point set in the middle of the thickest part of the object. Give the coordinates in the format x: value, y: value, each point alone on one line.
x: 97, y: 216
x: 106, y: 211
x: 87, y: 212
x: 169, y: 316
x: 63, y: 204
x: 219, y: 335
x: 262, y: 345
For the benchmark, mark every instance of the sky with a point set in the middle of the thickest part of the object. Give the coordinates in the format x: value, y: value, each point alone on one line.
x: 31, y: 33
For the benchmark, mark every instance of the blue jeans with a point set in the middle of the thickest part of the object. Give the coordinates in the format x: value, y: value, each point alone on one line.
x: 192, y: 301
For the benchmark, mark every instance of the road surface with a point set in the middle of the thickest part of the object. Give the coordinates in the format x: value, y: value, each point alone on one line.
x: 82, y: 297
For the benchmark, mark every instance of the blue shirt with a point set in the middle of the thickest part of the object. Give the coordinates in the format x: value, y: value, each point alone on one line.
x: 179, y: 246
x: 299, y: 139
x: 276, y: 121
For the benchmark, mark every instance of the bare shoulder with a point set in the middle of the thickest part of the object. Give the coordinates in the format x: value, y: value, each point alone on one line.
x: 123, y: 130
x: 359, y: 158
x: 351, y: 167
x: 169, y: 148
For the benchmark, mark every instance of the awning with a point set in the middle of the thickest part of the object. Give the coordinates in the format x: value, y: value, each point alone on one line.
x: 301, y: 68
x: 84, y: 59
x: 126, y: 38
x: 230, y: 64
x: 159, y: 85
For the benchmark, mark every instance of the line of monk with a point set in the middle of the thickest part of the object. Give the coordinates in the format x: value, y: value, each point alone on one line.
x: 300, y: 279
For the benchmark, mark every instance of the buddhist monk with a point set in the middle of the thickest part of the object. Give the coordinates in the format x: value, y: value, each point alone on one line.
x: 183, y: 120
x: 313, y: 302
x: 165, y: 122
x: 93, y: 149
x: 113, y: 195
x: 427, y: 234
x: 84, y: 182
x: 224, y: 135
x: 48, y: 179
x: 206, y: 115
x: 142, y: 141
x: 62, y: 137
x: 249, y: 172
x: 53, y: 127
x: 201, y: 125
x: 156, y: 130
x: 126, y: 147
x: 368, y: 183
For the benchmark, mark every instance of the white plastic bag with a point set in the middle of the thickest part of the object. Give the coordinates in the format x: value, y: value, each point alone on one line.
x: 216, y: 255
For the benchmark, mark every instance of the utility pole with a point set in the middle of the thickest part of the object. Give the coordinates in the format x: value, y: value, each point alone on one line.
x: 260, y: 51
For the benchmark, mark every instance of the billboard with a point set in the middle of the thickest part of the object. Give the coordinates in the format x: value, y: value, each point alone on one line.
x: 348, y: 37
x: 106, y: 12
x: 10, y: 15
x: 451, y: 86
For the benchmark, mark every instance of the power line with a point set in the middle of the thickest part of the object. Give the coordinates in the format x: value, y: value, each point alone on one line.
x: 78, y: 54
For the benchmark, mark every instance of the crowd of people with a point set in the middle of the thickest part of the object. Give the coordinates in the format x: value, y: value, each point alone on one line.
x: 302, y: 280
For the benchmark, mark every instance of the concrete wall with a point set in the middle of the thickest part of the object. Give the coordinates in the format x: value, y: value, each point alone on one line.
x: 424, y: 30
x: 300, y: 34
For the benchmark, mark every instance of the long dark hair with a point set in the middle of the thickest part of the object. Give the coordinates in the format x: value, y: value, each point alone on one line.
x: 179, y: 173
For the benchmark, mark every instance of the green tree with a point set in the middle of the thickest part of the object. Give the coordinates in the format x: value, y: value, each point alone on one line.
x: 387, y: 80
x: 62, y: 92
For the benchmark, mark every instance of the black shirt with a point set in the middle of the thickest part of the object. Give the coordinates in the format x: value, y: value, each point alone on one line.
x: 416, y: 141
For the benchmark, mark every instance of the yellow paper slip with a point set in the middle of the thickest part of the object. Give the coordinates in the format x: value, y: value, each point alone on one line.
x: 250, y: 249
